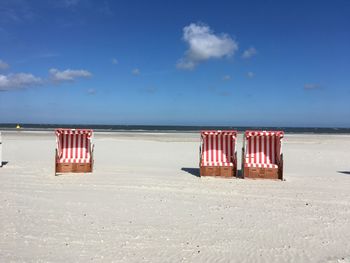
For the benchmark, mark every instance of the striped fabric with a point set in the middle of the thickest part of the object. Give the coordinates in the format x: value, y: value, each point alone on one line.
x: 263, y: 148
x: 218, y: 148
x: 261, y: 165
x: 73, y: 146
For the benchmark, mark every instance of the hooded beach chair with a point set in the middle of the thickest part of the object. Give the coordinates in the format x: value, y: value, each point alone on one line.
x: 262, y: 154
x: 218, y: 156
x: 74, y: 151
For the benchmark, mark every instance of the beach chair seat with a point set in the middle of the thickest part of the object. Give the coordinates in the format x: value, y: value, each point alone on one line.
x: 205, y: 163
x: 74, y: 151
x: 74, y: 160
x: 218, y: 155
x: 262, y: 154
x: 261, y: 165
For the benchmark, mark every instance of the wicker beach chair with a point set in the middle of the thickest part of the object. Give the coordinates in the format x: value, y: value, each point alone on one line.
x: 218, y: 156
x: 74, y: 151
x: 262, y: 155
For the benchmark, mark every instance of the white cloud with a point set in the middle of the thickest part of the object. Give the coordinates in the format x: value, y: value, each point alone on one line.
x: 3, y: 65
x: 226, y: 77
x: 250, y: 52
x: 114, y: 61
x: 47, y: 55
x: 135, y: 71
x: 311, y: 86
x: 184, y: 63
x: 225, y: 93
x: 219, y: 92
x: 204, y: 45
x: 250, y: 74
x: 18, y: 81
x: 68, y: 74
x: 16, y: 11
x: 15, y: 81
x: 150, y: 90
x: 105, y: 9
x: 70, y: 3
x: 91, y: 91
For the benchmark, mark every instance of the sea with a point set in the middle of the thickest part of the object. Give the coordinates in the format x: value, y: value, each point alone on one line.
x: 168, y: 128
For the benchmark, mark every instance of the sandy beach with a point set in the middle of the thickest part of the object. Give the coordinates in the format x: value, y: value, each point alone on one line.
x: 145, y: 202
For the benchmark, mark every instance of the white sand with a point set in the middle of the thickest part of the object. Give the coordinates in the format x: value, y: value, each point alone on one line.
x: 141, y: 206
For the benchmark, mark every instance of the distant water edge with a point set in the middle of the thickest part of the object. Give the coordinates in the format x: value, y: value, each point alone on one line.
x: 164, y: 128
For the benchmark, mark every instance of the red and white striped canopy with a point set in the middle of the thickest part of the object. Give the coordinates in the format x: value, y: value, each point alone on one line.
x: 74, y: 145
x: 218, y: 148
x: 263, y: 148
x: 264, y: 133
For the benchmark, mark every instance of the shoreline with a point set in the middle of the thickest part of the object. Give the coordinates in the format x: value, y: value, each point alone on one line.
x: 103, y: 131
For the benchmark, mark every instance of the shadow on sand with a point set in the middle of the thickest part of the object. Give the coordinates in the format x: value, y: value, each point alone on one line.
x: 239, y: 174
x: 195, y: 172
x: 192, y: 171
x: 4, y: 163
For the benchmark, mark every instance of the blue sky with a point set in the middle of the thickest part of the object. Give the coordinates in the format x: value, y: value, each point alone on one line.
x: 237, y: 63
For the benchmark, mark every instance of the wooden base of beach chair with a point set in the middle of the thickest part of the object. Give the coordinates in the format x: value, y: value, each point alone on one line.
x: 223, y: 171
x: 73, y: 167
x: 262, y: 173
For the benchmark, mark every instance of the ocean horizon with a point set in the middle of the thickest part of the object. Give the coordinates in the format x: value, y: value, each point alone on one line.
x: 170, y: 128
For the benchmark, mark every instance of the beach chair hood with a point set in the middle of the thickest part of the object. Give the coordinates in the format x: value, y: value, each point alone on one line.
x: 218, y: 148
x: 262, y: 148
x: 74, y: 145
